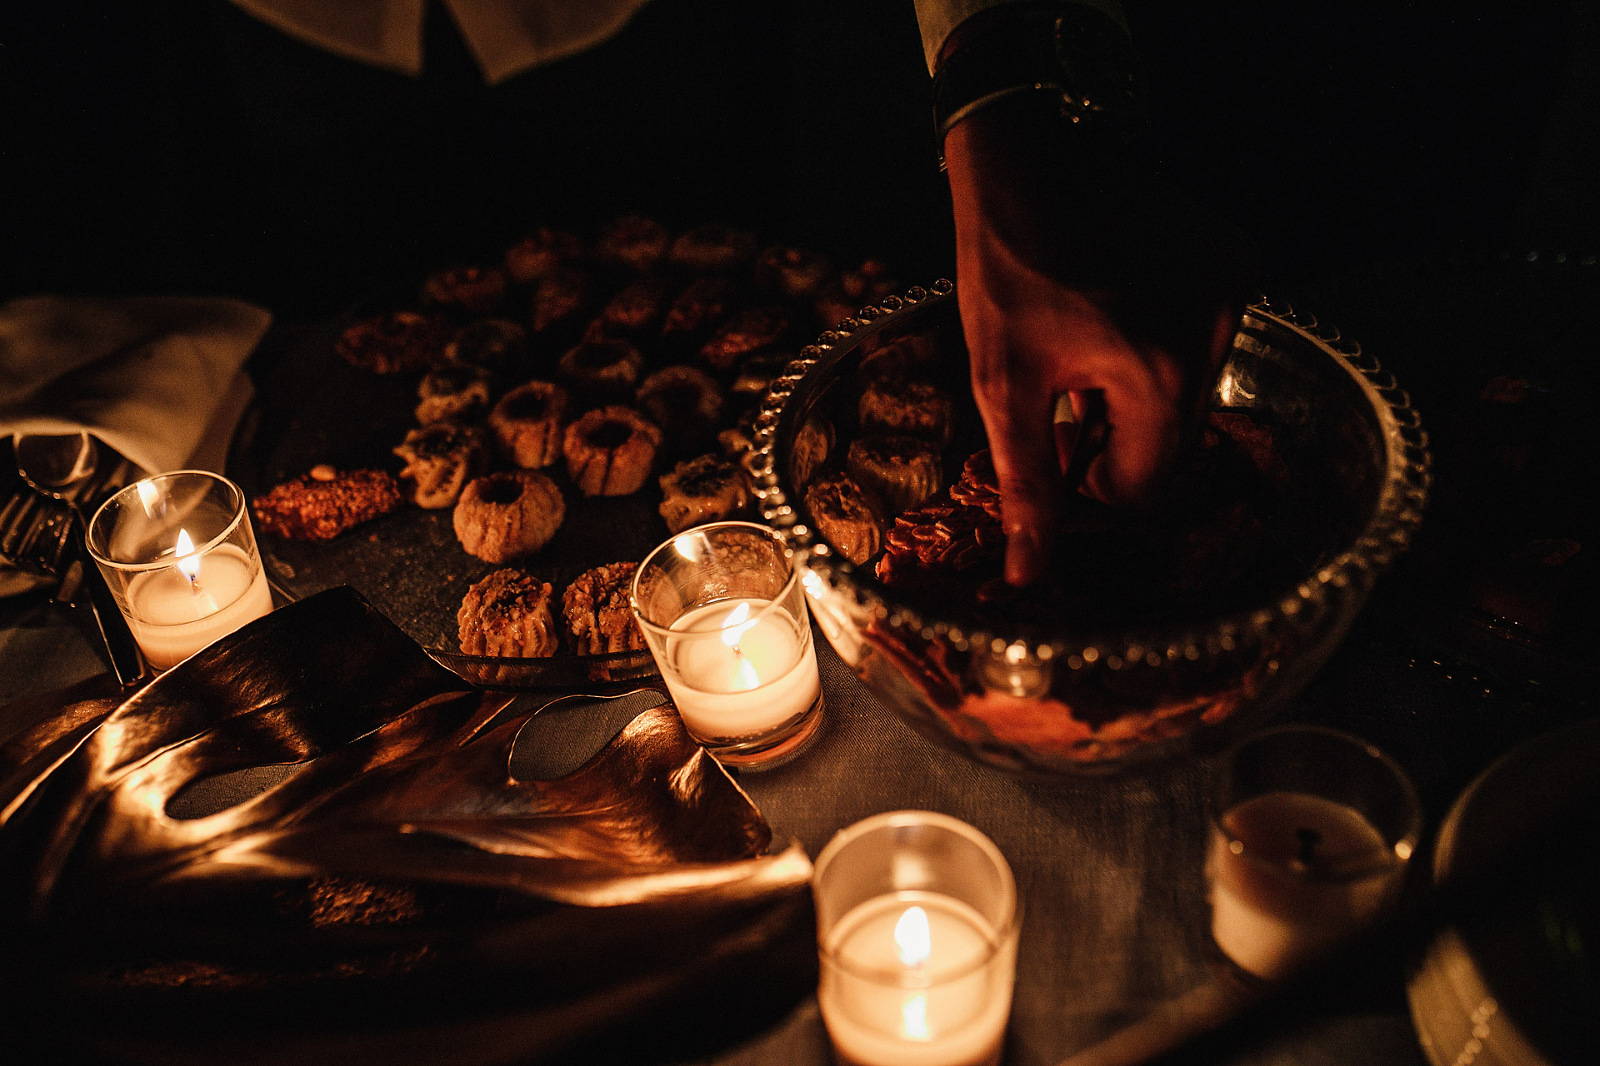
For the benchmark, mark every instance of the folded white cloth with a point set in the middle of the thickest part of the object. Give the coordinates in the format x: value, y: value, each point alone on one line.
x: 506, y: 37
x: 153, y: 377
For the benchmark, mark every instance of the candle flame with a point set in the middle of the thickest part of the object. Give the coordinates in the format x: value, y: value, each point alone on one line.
x: 914, y: 1018
x: 188, y: 562
x: 912, y: 937
x: 734, y: 627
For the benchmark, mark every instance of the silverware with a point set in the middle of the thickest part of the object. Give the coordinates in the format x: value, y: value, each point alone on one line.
x: 62, y: 467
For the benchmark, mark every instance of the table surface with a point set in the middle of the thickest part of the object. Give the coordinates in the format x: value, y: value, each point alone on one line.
x: 1109, y: 871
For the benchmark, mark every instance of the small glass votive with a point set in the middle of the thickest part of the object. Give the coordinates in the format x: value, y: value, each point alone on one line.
x: 180, y: 557
x: 917, y: 934
x: 722, y: 609
x: 1311, y: 833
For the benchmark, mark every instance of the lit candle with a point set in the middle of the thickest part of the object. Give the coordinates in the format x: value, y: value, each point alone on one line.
x: 758, y: 672
x: 1292, y: 874
x: 915, y: 978
x: 176, y: 610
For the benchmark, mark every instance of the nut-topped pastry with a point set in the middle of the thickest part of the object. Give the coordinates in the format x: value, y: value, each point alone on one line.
x: 507, y: 515
x: 452, y: 393
x: 747, y: 331
x: 508, y: 613
x: 529, y: 421
x: 848, y: 517
x: 598, y: 616
x: 707, y: 488
x: 902, y: 471
x: 853, y: 290
x: 561, y: 294
x: 812, y: 446
x: 790, y: 272
x: 324, y: 502
x: 712, y: 248
x: 610, y: 451
x: 701, y: 305
x: 474, y: 290
x: 635, y: 310
x: 910, y: 408
x: 439, y: 461
x: 395, y: 342
x: 634, y: 243
x: 491, y: 343
x: 539, y: 253
x: 601, y: 370
x: 685, y: 402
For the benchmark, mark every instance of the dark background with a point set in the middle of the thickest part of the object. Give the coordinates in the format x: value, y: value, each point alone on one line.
x: 179, y: 145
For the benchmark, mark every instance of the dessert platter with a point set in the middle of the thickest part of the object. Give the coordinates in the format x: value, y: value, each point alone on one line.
x: 488, y: 457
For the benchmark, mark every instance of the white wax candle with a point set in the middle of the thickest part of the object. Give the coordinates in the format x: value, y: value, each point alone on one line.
x: 916, y: 979
x: 742, y: 678
x: 1293, y: 874
x: 174, y: 613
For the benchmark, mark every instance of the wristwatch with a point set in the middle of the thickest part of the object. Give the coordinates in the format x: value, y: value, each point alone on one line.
x: 1077, y: 54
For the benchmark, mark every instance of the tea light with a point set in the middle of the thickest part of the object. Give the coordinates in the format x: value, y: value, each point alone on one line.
x: 756, y: 674
x: 917, y: 938
x: 1311, y: 843
x: 725, y: 618
x: 179, y: 597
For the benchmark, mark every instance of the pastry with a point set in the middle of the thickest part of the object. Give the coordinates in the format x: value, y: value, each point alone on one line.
x: 712, y: 249
x: 597, y: 611
x: 937, y: 540
x: 747, y: 331
x: 561, y: 294
x: 633, y: 243
x: 610, y: 451
x: 902, y: 471
x: 812, y: 446
x: 321, y: 504
x: 684, y: 401
x: 439, y: 461
x: 756, y: 373
x: 635, y: 309
x: 453, y: 393
x: 707, y: 488
x: 848, y: 517
x: 508, y: 515
x: 603, y: 370
x: 508, y: 613
x: 978, y: 485
x: 854, y: 289
x: 398, y: 341
x: 539, y: 253
x: 492, y: 343
x: 910, y: 408
x: 902, y: 359
x: 701, y: 305
x: 474, y: 290
x: 791, y: 273
x: 528, y: 423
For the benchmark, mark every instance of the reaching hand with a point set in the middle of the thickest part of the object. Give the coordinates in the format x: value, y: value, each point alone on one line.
x: 1079, y: 275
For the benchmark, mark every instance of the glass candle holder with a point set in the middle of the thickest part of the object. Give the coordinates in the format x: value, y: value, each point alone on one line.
x: 180, y: 557
x: 1311, y: 833
x: 722, y: 610
x: 917, y: 934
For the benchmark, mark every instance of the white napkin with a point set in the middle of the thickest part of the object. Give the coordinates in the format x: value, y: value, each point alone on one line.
x: 157, y: 378
x: 506, y: 37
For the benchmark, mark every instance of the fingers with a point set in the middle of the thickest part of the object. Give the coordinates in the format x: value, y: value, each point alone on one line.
x: 1017, y: 414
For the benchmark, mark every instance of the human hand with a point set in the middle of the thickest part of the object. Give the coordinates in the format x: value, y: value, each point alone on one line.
x: 1080, y: 275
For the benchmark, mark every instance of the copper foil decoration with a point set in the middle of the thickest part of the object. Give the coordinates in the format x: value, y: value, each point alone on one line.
x: 392, y: 893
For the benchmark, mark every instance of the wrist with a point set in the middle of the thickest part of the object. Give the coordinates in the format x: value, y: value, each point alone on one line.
x: 1076, y: 57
